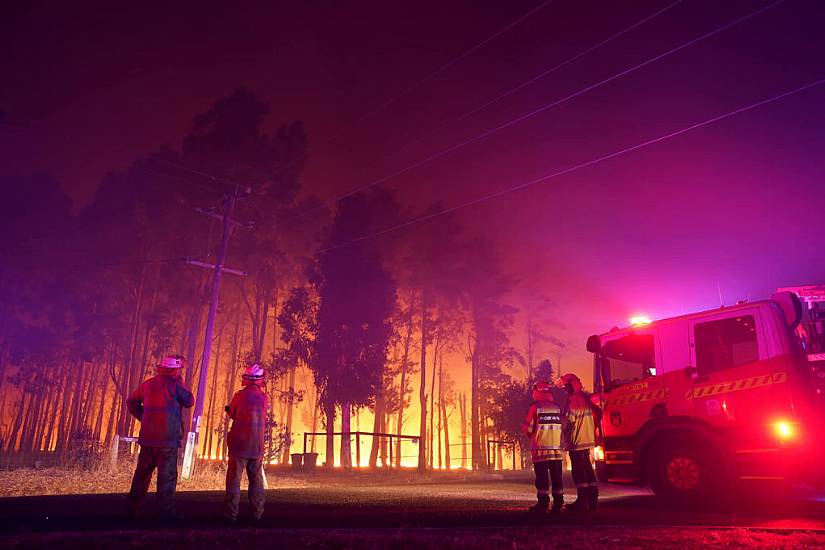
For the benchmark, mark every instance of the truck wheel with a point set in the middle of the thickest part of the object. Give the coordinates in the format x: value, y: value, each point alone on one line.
x: 684, y: 472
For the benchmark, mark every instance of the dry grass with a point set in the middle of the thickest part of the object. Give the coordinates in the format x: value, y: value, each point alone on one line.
x: 63, y: 481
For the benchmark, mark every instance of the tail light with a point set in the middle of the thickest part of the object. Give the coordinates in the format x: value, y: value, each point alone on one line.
x: 784, y: 430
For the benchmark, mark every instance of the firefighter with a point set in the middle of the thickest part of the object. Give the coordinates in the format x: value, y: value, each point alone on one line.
x: 543, y: 426
x: 246, y: 443
x: 157, y: 404
x: 581, y: 420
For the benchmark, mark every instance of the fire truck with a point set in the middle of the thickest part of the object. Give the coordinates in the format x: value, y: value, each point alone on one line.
x: 697, y: 404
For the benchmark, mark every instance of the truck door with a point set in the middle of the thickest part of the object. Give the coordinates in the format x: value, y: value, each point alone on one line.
x: 631, y: 387
x: 676, y: 372
x: 731, y: 375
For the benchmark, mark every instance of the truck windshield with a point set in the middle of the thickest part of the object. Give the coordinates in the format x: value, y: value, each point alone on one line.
x: 627, y: 359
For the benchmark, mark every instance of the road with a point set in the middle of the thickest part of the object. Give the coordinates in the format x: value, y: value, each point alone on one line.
x: 475, y: 503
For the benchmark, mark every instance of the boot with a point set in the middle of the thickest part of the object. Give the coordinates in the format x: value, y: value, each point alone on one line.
x: 542, y: 505
x: 581, y: 502
x: 593, y: 497
x: 558, y: 502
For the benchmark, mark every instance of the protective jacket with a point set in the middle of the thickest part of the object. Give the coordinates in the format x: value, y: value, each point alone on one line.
x: 543, y: 425
x: 248, y: 413
x: 582, y: 417
x: 157, y: 403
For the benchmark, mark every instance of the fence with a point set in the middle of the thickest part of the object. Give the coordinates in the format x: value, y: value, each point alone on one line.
x: 391, y: 458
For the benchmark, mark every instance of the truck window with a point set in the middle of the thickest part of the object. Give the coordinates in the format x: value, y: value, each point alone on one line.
x: 627, y: 359
x: 725, y: 343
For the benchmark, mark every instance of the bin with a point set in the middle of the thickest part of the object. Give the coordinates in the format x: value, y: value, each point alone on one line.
x: 297, y: 460
x: 310, y: 459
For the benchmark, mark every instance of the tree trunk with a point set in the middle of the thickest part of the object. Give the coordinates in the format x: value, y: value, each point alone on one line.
x: 213, y: 389
x: 422, y: 391
x: 377, y: 427
x: 479, y: 458
x: 441, y: 422
x: 18, y: 421
x: 289, y: 412
x: 401, y: 401
x: 430, y: 445
x: 232, y: 372
x: 329, y: 409
x: 128, y: 378
x: 346, y: 450
x: 462, y: 403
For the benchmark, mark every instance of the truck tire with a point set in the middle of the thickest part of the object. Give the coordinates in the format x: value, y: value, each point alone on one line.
x: 684, y: 471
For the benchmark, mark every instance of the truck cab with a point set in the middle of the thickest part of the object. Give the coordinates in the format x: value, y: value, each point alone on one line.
x: 703, y: 401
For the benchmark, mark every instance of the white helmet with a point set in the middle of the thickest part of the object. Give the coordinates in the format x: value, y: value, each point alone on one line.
x: 253, y: 373
x: 172, y: 362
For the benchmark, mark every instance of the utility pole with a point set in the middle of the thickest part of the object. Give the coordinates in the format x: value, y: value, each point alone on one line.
x: 218, y: 269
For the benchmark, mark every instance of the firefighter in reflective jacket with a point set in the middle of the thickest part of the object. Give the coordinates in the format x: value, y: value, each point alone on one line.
x: 543, y: 425
x: 582, y: 418
x: 157, y: 403
x: 246, y: 443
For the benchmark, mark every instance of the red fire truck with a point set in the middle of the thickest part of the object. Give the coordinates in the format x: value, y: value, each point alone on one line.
x: 696, y: 403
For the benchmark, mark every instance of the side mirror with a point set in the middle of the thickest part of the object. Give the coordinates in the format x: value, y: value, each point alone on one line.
x: 594, y: 344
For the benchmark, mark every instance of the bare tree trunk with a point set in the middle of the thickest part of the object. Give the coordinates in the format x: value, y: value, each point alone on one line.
x: 432, y: 407
x: 441, y: 424
x: 110, y: 425
x: 346, y: 449
x: 43, y: 420
x: 329, y: 409
x: 377, y: 427
x: 128, y: 380
x: 422, y: 390
x: 213, y: 389
x: 404, y: 364
x: 462, y: 402
x: 289, y: 412
x: 54, y: 417
x: 232, y: 371
x: 18, y: 421
x: 77, y: 399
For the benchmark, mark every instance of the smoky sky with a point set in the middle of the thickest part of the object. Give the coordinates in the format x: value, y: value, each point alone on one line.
x: 733, y: 208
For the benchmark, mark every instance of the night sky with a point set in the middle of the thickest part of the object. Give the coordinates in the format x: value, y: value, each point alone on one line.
x: 735, y: 206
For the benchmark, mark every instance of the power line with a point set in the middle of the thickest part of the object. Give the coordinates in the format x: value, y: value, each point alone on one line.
x: 438, y: 71
x: 545, y: 107
x: 498, y: 98
x: 577, y: 167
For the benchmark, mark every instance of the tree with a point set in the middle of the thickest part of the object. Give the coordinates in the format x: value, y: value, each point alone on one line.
x: 488, y: 346
x: 356, y: 300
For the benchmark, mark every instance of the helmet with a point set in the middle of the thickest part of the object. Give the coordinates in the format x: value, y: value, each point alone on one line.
x: 253, y: 373
x: 542, y: 391
x: 172, y: 362
x: 572, y: 382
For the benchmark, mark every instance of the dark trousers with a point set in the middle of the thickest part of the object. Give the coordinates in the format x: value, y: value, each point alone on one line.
x: 583, y: 474
x: 165, y: 459
x: 254, y: 473
x: 548, y: 471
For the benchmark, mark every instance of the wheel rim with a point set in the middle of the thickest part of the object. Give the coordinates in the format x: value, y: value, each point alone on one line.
x: 683, y: 472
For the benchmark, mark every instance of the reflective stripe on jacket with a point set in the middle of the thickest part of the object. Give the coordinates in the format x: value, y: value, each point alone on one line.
x: 543, y: 425
x: 581, y: 423
x: 157, y: 403
x: 248, y: 413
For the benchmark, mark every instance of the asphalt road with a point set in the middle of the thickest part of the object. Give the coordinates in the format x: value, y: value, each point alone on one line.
x: 353, y: 502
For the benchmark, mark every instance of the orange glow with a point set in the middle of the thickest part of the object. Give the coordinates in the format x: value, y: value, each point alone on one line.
x: 598, y: 453
x: 639, y: 320
x: 784, y: 430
